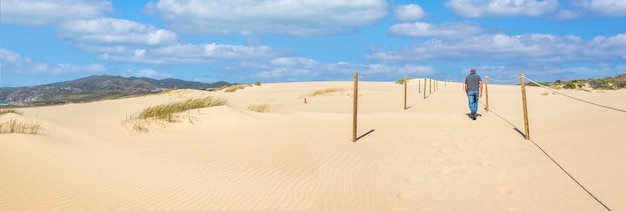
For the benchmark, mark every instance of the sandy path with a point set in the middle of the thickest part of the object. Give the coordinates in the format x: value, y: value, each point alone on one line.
x: 300, y: 156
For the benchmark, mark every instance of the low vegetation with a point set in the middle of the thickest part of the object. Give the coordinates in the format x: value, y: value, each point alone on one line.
x: 608, y: 83
x: 322, y: 92
x: 258, y: 83
x: 326, y: 91
x: 168, y: 113
x: 262, y: 108
x: 15, y: 126
x: 232, y: 88
x: 10, y: 110
x: 401, y: 81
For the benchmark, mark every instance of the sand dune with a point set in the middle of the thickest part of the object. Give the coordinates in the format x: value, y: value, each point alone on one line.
x: 299, y: 156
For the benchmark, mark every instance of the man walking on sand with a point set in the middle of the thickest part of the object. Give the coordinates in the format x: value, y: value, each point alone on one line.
x: 473, y: 86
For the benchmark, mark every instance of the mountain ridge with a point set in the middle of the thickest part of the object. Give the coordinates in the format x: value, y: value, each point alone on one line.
x: 95, y: 87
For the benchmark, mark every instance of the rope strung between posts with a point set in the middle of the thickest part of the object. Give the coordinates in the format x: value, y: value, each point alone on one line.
x: 570, y: 176
x: 504, y: 81
x: 555, y: 162
x: 550, y: 157
x: 592, y: 103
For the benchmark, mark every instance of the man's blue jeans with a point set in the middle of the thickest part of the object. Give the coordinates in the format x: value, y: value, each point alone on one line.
x: 473, y: 101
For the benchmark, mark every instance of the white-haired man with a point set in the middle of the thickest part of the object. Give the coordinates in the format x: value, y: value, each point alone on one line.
x: 473, y: 86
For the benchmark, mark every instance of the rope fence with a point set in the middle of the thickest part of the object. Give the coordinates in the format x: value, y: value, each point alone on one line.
x: 432, y: 86
x: 504, y: 81
x: 555, y: 91
x: 435, y: 84
x: 527, y: 136
x: 575, y: 98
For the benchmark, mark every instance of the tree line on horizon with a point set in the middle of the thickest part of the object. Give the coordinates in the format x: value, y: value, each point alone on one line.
x: 607, y: 83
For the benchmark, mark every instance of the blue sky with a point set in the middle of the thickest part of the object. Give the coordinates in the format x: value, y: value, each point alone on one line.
x: 46, y: 41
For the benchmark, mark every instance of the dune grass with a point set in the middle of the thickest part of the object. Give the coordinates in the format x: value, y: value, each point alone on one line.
x: 15, y: 126
x: 168, y: 113
x: 10, y: 110
x: 325, y: 91
x: 233, y: 88
x: 401, y: 81
x: 322, y: 92
x: 262, y: 108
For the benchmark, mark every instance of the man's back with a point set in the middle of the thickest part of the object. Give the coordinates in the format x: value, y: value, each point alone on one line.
x: 472, y: 82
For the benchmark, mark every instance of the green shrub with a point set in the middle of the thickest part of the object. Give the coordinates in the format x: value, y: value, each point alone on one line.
x: 10, y: 110
x: 620, y: 81
x: 569, y: 85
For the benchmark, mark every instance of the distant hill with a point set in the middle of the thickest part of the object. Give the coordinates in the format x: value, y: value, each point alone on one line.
x: 95, y: 87
x: 608, y: 83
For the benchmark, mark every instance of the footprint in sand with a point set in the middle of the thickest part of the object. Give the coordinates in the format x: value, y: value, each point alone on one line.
x: 435, y: 144
x: 405, y: 194
x: 437, y: 160
x: 449, y: 170
x: 484, y: 164
x: 411, y: 180
x: 446, y: 150
x: 502, y: 176
x: 505, y: 191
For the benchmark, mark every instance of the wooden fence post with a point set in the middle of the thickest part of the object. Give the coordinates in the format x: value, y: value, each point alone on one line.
x: 419, y: 86
x: 405, y: 84
x: 487, y: 92
x: 424, y: 88
x: 527, y: 130
x: 355, y: 103
x: 430, y: 86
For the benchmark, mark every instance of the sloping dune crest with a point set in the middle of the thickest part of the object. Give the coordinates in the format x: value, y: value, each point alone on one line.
x: 299, y: 155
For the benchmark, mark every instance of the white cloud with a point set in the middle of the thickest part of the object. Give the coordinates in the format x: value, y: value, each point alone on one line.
x: 300, y: 18
x: 501, y: 47
x: 292, y: 69
x: 379, y: 72
x: 566, y: 15
x: 113, y: 31
x: 416, y: 70
x: 189, y: 53
x: 14, y: 59
x: 221, y: 51
x: 43, y: 12
x: 605, y: 7
x: 119, y: 40
x: 286, y: 74
x: 294, y: 61
x: 287, y: 69
x: 450, y: 30
x: 510, y: 73
x: 409, y: 12
x: 502, y: 8
x: 148, y: 73
x: 16, y: 63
